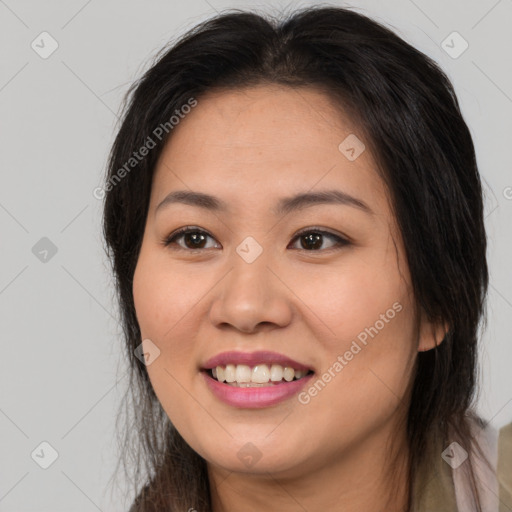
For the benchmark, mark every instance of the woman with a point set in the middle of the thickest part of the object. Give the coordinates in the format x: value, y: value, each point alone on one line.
x: 294, y: 215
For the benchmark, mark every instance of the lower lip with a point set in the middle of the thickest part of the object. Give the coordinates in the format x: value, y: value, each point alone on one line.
x: 257, y: 397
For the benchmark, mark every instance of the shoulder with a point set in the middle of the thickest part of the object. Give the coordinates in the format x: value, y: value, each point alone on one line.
x: 495, y: 484
x: 446, y: 486
x: 504, y: 469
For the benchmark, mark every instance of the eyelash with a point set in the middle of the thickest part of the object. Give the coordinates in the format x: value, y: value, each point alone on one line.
x: 340, y: 241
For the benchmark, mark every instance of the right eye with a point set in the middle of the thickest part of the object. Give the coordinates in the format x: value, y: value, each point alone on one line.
x: 193, y: 238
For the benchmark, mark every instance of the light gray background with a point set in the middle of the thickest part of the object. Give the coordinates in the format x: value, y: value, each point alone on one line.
x: 61, y: 376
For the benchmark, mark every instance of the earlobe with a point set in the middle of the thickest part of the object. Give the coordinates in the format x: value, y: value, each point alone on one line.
x: 431, y: 334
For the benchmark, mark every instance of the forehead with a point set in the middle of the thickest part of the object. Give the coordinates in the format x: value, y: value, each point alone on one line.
x: 241, y: 120
x: 266, y: 139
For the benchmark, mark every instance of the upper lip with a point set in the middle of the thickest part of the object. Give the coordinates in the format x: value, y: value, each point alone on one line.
x: 252, y: 359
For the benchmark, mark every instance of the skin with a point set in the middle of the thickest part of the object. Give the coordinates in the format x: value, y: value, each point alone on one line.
x: 250, y: 148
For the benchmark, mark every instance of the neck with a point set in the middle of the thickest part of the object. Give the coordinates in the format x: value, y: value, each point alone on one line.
x: 361, y: 479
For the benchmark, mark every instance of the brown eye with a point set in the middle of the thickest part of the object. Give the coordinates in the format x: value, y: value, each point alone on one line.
x: 313, y: 240
x: 192, y: 238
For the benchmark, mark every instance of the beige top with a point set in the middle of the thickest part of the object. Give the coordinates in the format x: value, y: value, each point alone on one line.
x: 446, y: 489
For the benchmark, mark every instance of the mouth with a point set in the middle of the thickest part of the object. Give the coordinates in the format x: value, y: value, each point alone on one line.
x: 255, y: 387
x: 254, y: 380
x: 254, y: 369
x: 258, y: 375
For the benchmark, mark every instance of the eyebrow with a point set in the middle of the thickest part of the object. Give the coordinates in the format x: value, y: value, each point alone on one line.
x: 284, y: 205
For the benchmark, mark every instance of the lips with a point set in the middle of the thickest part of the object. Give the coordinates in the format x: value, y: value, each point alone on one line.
x: 255, y: 397
x: 252, y: 359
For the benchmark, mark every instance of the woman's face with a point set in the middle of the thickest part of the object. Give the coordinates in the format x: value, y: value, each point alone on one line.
x: 320, y: 280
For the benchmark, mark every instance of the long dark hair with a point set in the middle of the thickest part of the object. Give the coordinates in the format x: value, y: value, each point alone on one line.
x: 408, y: 112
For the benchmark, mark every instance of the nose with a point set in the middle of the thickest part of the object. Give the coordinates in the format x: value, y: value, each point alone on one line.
x: 251, y: 298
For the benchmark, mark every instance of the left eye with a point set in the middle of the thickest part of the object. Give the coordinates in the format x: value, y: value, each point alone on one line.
x: 195, y: 236
x: 311, y: 240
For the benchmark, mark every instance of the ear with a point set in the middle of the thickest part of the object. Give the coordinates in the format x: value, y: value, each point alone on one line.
x: 431, y: 334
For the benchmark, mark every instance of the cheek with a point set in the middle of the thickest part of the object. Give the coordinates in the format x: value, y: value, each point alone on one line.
x: 163, y: 297
x: 363, y: 384
x: 164, y: 303
x: 365, y: 292
x: 162, y: 300
x: 369, y: 344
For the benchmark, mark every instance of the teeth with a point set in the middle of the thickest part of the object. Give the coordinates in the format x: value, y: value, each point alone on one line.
x: 276, y: 373
x: 243, y: 373
x: 288, y: 374
x: 229, y: 372
x: 245, y: 376
x: 260, y: 374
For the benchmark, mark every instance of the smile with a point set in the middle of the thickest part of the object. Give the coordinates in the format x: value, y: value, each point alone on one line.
x: 242, y: 375
x: 253, y: 380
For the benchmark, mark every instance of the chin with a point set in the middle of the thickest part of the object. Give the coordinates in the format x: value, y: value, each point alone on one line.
x: 258, y: 460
